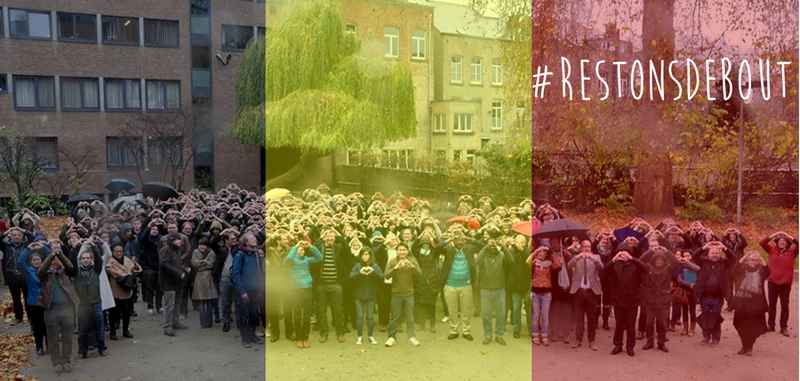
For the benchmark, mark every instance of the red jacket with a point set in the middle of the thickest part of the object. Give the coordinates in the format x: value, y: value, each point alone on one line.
x: 781, y: 264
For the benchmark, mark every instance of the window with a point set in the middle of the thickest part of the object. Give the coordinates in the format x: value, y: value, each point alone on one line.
x: 497, y: 74
x: 29, y: 24
x: 455, y: 69
x: 80, y: 94
x: 470, y: 157
x: 418, y: 44
x: 77, y: 27
x: 353, y: 157
x: 399, y: 159
x: 123, y: 153
x: 3, y: 83
x: 120, y: 30
x: 163, y: 95
x: 438, y: 123
x: 123, y: 94
x: 497, y: 115
x: 34, y: 93
x: 391, y: 39
x: 164, y: 151
x: 161, y: 33
x: 236, y: 37
x: 201, y: 57
x: 462, y: 123
x: 475, y: 70
x: 2, y: 32
x: 199, y: 7
x: 44, y: 152
x: 456, y: 155
x: 350, y: 28
x: 261, y: 31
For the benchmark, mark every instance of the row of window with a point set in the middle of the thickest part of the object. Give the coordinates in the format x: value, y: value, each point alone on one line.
x: 475, y: 70
x: 83, y: 94
x: 391, y: 42
x: 404, y: 158
x: 121, y: 153
x: 463, y: 122
x: 79, y: 27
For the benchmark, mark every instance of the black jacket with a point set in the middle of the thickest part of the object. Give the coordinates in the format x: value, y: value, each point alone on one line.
x: 721, y: 269
x: 625, y: 282
x: 344, y: 263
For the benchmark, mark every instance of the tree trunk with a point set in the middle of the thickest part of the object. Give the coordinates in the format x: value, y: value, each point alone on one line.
x: 653, y: 189
x: 306, y: 159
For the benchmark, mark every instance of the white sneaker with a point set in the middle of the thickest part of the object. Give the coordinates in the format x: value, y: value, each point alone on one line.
x: 390, y: 342
x: 445, y: 319
x: 358, y: 341
x: 161, y: 310
x: 373, y: 341
x: 150, y: 312
x: 414, y: 341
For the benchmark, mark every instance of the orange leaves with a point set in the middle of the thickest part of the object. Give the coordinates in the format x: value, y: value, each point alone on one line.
x: 14, y: 355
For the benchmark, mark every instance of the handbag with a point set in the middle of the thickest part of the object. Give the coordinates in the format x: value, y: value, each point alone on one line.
x: 680, y: 295
x: 126, y: 282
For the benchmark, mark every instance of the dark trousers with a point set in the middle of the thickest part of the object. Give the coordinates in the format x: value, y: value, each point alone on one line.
x: 122, y: 310
x: 676, y: 313
x: 19, y: 293
x: 659, y: 319
x: 60, y: 320
x: 384, y: 303
x: 625, y: 323
x: 153, y: 291
x: 775, y: 291
x: 642, y: 319
x: 689, y: 311
x: 247, y: 312
x: 206, y: 315
x: 228, y: 296
x: 272, y: 306
x: 349, y: 305
x: 712, y: 306
x: 91, y: 314
x: 36, y: 316
x: 186, y: 290
x: 329, y: 294
x: 302, y: 303
x: 584, y: 303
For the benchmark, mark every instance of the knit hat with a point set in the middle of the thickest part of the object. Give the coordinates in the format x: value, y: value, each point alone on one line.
x: 39, y: 237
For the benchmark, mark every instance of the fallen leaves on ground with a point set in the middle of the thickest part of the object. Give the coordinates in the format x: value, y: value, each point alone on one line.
x: 51, y: 226
x: 7, y: 311
x: 14, y: 356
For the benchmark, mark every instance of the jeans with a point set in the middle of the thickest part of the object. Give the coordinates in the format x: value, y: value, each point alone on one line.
x: 516, y: 311
x: 227, y: 296
x: 714, y: 306
x: 540, y: 308
x: 401, y: 304
x: 91, y: 313
x: 302, y: 303
x: 776, y: 291
x: 461, y: 304
x: 493, y: 301
x: 248, y: 313
x: 329, y: 294
x: 59, y: 320
x: 170, y: 312
x: 365, y: 307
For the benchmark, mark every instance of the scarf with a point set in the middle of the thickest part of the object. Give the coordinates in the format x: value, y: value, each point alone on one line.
x: 120, y: 260
x: 563, y: 276
x: 425, y: 252
x: 85, y: 275
x: 540, y: 263
x: 751, y: 284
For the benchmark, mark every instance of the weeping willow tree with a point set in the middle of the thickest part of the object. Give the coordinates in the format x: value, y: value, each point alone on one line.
x: 305, y: 86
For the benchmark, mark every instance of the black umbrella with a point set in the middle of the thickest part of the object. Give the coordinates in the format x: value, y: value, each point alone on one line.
x: 159, y: 190
x: 119, y: 185
x: 561, y: 229
x: 129, y: 203
x: 82, y: 197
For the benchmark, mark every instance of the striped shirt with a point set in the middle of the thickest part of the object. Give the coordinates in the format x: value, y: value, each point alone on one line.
x: 328, y: 274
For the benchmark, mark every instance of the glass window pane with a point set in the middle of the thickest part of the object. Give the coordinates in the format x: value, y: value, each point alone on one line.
x: 71, y: 93
x: 19, y: 22
x: 25, y: 92
x: 66, y: 26
x: 85, y: 27
x: 201, y: 57
x: 200, y: 25
x: 91, y: 98
x: 39, y: 25
x: 201, y: 78
x: 47, y: 96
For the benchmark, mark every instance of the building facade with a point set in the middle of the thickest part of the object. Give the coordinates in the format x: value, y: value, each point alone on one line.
x: 81, y: 78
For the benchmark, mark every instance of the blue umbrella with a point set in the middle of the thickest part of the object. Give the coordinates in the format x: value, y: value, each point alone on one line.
x: 626, y: 232
x: 119, y: 185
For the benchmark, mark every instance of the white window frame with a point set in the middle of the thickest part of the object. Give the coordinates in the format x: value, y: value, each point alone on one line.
x: 476, y: 70
x: 471, y: 156
x: 456, y: 69
x: 462, y: 123
x: 354, y: 157
x: 438, y: 123
x: 350, y: 28
x: 497, y: 115
x: 497, y: 72
x: 391, y: 42
x: 418, y: 45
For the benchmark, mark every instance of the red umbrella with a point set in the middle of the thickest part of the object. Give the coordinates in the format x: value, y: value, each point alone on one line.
x: 391, y: 200
x: 464, y: 220
x: 526, y: 228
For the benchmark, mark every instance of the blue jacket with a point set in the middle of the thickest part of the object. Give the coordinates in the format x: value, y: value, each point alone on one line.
x: 31, y: 277
x: 299, y: 271
x: 366, y: 286
x: 246, y: 273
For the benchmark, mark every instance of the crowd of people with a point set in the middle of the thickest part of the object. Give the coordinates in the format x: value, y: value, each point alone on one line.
x: 658, y: 276
x: 196, y: 249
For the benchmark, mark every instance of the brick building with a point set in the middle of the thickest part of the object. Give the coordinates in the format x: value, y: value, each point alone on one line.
x: 75, y: 75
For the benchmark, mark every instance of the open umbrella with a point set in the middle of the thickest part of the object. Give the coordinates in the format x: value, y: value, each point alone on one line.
x: 464, y: 220
x: 526, y: 228
x: 621, y: 234
x: 82, y: 197
x: 561, y: 229
x: 129, y: 203
x: 119, y: 185
x: 159, y: 190
x: 276, y: 193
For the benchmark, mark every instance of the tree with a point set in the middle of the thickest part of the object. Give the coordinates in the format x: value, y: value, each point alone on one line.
x: 162, y: 145
x: 76, y: 169
x: 17, y: 165
x: 317, y: 93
